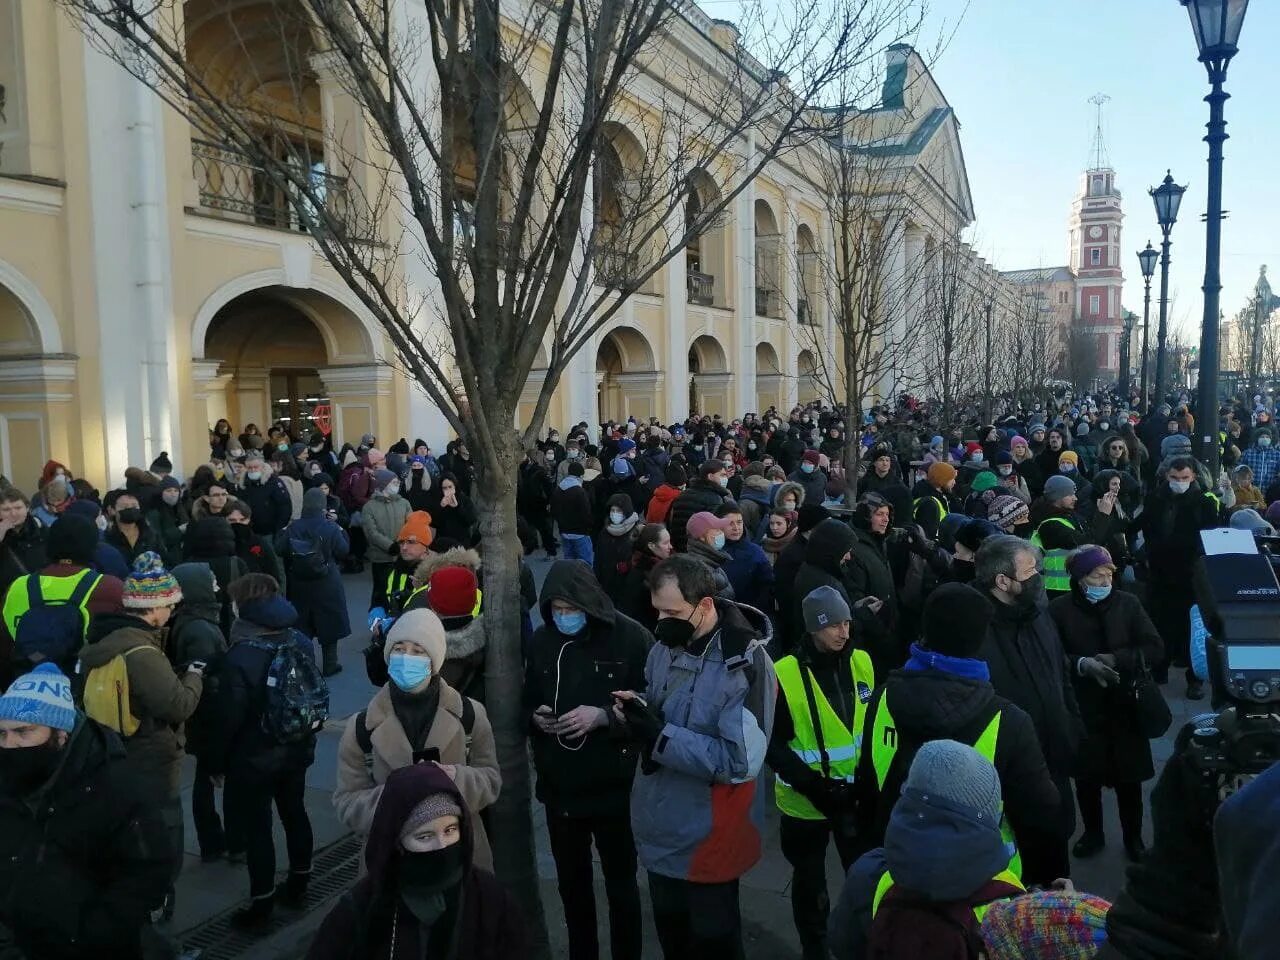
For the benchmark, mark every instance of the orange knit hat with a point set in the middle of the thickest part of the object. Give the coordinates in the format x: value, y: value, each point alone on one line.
x: 417, y: 526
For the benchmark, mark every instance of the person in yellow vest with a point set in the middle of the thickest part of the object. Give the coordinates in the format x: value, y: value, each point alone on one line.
x: 1058, y: 529
x: 823, y: 691
x: 931, y: 497
x: 926, y: 891
x: 945, y: 692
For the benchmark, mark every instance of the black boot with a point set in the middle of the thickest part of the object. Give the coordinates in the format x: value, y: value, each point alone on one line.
x: 293, y: 892
x: 256, y: 915
x: 1134, y: 848
x: 1195, y: 689
x: 1088, y: 845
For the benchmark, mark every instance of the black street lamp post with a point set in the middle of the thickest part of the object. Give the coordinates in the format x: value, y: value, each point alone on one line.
x: 1167, y: 197
x: 1147, y: 258
x: 1129, y: 318
x: 1217, y: 26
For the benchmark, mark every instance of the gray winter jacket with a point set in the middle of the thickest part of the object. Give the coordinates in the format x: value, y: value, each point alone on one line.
x: 383, y: 519
x: 699, y: 814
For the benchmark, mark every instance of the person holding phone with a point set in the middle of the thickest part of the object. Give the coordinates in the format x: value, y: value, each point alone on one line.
x: 417, y: 718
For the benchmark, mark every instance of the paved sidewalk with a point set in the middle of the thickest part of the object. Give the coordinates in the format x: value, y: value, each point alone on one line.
x: 208, y: 891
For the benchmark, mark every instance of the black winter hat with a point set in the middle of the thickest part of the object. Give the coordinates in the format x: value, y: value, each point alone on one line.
x: 956, y: 618
x: 809, y: 516
x: 401, y: 447
x: 72, y: 538
x: 675, y: 476
x: 162, y: 463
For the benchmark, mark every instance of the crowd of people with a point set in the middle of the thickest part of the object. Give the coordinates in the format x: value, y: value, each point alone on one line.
x: 933, y: 638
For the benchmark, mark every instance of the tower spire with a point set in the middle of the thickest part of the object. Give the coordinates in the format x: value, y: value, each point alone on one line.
x: 1098, y: 154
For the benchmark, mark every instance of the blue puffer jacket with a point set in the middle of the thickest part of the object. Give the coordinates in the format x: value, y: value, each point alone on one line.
x: 699, y: 815
x: 933, y: 847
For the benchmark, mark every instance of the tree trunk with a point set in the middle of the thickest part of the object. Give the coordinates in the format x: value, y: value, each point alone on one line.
x: 511, y: 819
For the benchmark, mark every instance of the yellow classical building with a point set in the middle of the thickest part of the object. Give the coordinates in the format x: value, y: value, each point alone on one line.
x: 150, y: 284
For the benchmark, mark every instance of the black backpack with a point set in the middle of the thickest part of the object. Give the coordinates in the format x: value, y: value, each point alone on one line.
x: 308, y: 559
x: 908, y: 927
x: 53, y: 628
x: 297, y: 696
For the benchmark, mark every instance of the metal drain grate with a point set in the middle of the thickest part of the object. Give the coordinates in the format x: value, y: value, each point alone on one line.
x: 333, y: 870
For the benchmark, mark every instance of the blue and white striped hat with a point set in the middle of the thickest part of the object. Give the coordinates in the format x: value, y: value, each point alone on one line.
x: 41, y: 697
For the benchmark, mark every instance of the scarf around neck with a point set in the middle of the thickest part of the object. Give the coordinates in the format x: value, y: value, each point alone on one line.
x: 922, y: 659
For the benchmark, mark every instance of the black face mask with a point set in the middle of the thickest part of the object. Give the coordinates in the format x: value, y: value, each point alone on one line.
x: 1032, y: 592
x: 674, y: 631
x: 242, y: 532
x: 424, y: 880
x: 129, y: 515
x: 23, y: 769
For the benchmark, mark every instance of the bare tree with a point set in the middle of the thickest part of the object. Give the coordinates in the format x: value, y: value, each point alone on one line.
x: 1080, y: 359
x: 466, y: 170
x: 950, y: 339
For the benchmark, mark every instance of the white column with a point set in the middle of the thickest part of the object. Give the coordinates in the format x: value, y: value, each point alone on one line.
x: 579, y: 378
x: 744, y: 386
x: 676, y: 305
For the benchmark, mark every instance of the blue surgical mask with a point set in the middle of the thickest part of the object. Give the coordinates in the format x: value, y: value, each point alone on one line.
x: 807, y: 467
x: 718, y: 542
x: 570, y: 624
x: 1066, y: 468
x: 408, y: 671
x: 616, y: 517
x: 1097, y: 594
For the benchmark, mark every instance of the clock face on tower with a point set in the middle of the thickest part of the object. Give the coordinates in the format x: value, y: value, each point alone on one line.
x: 1095, y: 233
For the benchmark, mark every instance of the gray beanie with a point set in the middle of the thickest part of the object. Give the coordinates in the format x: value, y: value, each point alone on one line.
x: 824, y: 607
x: 1174, y: 445
x: 431, y: 808
x: 1250, y: 520
x: 1057, y: 487
x: 1082, y: 430
x: 381, y: 478
x: 957, y: 773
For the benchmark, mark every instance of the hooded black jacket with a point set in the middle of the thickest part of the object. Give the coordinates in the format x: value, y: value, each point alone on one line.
x: 84, y: 861
x: 828, y: 542
x: 700, y: 495
x: 591, y: 777
x: 935, y: 705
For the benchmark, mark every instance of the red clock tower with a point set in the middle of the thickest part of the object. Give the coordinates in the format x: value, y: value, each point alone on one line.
x: 1095, y: 229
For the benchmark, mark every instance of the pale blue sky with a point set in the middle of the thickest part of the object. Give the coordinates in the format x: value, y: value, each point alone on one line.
x: 1019, y: 74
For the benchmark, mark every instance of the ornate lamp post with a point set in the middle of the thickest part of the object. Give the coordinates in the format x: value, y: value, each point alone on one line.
x: 1129, y: 318
x: 1216, y: 24
x: 1147, y: 258
x: 1261, y: 310
x: 1167, y: 197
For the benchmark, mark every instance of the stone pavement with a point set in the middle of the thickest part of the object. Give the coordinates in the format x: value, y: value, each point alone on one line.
x: 207, y: 892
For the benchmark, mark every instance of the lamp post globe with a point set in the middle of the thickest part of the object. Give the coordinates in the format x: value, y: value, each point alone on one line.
x: 1216, y: 25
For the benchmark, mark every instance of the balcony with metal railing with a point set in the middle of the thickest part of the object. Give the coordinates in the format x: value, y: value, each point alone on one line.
x: 768, y: 302
x: 233, y: 186
x: 701, y: 288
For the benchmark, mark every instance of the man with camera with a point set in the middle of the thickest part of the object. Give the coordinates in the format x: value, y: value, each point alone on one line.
x: 814, y: 749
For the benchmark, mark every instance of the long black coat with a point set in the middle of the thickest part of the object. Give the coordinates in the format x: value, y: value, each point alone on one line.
x: 1113, y: 749
x: 700, y: 495
x: 321, y: 603
x: 81, y: 869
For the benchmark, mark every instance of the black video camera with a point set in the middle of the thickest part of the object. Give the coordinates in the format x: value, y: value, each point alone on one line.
x: 1239, y: 599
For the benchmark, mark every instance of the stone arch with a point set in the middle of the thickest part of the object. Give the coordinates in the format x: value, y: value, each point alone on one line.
x: 706, y: 355
x: 26, y: 307
x: 769, y: 377
x: 767, y: 359
x: 626, y: 377
x: 709, y: 376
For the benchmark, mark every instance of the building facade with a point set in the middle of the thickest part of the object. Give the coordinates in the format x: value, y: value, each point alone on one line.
x: 150, y: 284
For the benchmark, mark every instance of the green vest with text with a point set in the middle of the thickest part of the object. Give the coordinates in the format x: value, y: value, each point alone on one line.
x: 884, y: 747
x: 828, y: 739
x: 1055, y: 561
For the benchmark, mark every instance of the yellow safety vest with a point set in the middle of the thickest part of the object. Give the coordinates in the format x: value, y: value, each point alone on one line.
x: 843, y: 746
x: 939, y: 500
x: 397, y: 584
x: 54, y: 590
x: 886, y: 882
x: 884, y: 747
x: 426, y: 587
x: 1055, y: 561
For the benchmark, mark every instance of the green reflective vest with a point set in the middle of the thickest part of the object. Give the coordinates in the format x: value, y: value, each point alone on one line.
x: 426, y: 588
x: 843, y: 746
x: 886, y: 882
x: 54, y: 590
x: 884, y: 747
x: 1055, y: 561
x: 939, y: 499
x: 399, y: 590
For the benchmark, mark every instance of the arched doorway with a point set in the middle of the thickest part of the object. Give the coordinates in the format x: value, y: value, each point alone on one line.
x: 708, y: 377
x: 768, y: 251
x: 292, y: 356
x: 768, y: 377
x: 26, y: 411
x: 626, y: 378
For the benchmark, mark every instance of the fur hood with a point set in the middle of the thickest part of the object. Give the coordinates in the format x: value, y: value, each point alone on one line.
x: 453, y: 557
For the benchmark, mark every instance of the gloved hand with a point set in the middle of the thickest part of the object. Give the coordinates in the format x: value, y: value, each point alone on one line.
x: 919, y: 542
x: 644, y: 721
x: 1098, y: 672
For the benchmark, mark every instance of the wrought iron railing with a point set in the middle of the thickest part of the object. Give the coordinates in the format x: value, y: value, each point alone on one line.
x: 701, y: 288
x: 234, y: 187
x: 767, y: 302
x: 802, y: 312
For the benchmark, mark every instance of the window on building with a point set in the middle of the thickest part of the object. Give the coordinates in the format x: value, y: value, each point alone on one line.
x: 1095, y: 257
x: 1095, y: 305
x: 1063, y: 296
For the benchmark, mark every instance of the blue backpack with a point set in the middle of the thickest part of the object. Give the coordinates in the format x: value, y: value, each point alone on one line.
x: 297, y: 696
x: 53, y: 628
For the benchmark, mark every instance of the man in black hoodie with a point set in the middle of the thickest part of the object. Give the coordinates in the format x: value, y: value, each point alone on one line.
x: 703, y: 495
x: 1028, y: 665
x: 944, y: 693
x: 583, y: 652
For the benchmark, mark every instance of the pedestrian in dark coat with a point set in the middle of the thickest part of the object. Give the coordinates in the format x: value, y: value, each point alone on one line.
x: 258, y: 552
x: 584, y: 650
x: 452, y: 514
x: 785, y: 570
x: 702, y: 495
x: 615, y: 544
x: 1028, y: 666
x: 829, y: 544
x: 267, y: 497
x: 811, y: 477
x: 22, y: 549
x: 84, y: 851
x: 1106, y: 628
x: 211, y: 540
x: 167, y: 518
x: 868, y: 577
x: 652, y: 546
x: 321, y: 601
x: 394, y: 910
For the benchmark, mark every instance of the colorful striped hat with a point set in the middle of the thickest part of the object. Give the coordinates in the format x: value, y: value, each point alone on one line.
x: 1046, y: 925
x: 150, y: 585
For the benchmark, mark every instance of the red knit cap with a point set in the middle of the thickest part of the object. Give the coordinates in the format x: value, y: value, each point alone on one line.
x: 452, y: 592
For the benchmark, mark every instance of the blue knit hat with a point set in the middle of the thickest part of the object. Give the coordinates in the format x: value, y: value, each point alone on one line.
x: 626, y: 445
x: 42, y: 697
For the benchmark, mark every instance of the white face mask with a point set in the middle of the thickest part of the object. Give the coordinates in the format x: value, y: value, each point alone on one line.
x: 392, y: 488
x: 1005, y: 469
x: 1264, y: 441
x: 616, y: 517
x: 254, y: 474
x: 1179, y: 486
x: 171, y: 497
